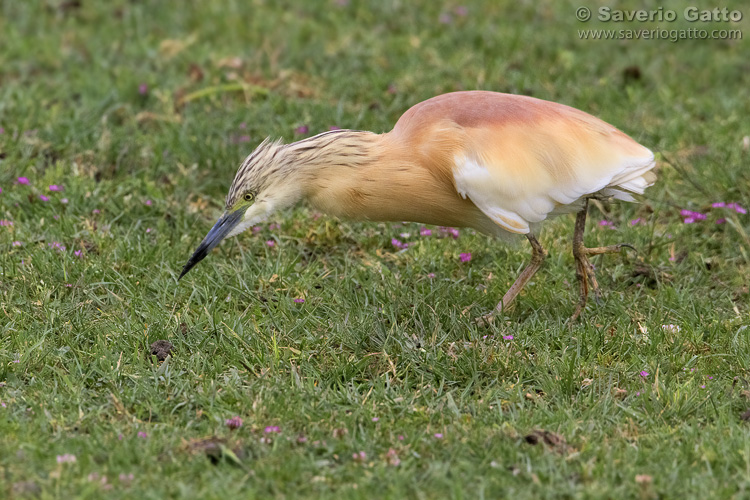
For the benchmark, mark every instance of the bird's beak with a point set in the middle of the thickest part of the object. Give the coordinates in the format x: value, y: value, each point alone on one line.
x: 221, y: 229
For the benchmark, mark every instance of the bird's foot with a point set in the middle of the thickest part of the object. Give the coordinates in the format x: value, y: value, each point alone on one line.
x: 586, y: 275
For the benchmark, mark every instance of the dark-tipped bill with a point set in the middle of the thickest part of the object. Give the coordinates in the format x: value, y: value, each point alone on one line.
x: 221, y: 229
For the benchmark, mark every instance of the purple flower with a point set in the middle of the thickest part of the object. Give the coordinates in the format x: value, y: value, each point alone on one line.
x: 299, y: 301
x: 438, y: 435
x: 66, y: 459
x: 644, y: 374
x: 143, y: 89
x: 635, y: 221
x: 461, y: 11
x: 4, y: 222
x: 43, y: 198
x: 95, y: 211
x: 737, y: 208
x: 57, y: 246
x: 23, y: 181
x: 399, y: 244
x: 149, y: 203
x: 271, y: 243
x: 78, y: 253
x: 425, y: 232
x: 430, y: 275
x: 302, y: 129
x: 359, y: 457
x: 719, y: 204
x: 405, y: 235
x: 273, y: 226
x: 17, y: 243
x: 243, y: 125
x: 64, y: 200
x: 691, y: 217
x: 142, y: 435
x: 257, y: 229
x: 507, y: 337
x: 721, y: 220
x: 1, y: 190
x: 606, y: 223
x: 148, y: 230
x: 233, y: 423
x: 400, y: 437
x: 465, y: 257
x: 703, y: 386
x: 126, y: 478
x: 375, y: 419
x: 334, y: 127
x: 272, y: 429
x: 55, y: 187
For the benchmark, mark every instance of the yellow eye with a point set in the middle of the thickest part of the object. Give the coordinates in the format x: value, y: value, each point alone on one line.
x: 249, y: 196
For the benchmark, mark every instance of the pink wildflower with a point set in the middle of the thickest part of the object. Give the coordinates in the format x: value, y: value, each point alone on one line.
x: 465, y: 257
x: 359, y: 457
x: 271, y: 243
x: 430, y: 275
x: 302, y: 129
x: 142, y: 435
x: 392, y: 458
x: 43, y: 198
x: 635, y: 221
x: 507, y: 337
x: 66, y: 459
x: 272, y: 429
x: 399, y: 244
x: 23, y: 181
x: 143, y: 89
x: 64, y: 200
x: 233, y: 423
x: 438, y: 435
x: 644, y: 374
x: 55, y: 187
x: 149, y: 203
x: 375, y: 419
x: 17, y: 243
x: 4, y: 222
x: 606, y: 223
x: 299, y: 301
x: 425, y: 232
x: 721, y: 220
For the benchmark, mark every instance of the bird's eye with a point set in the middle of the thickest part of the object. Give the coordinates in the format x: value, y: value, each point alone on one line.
x: 249, y: 196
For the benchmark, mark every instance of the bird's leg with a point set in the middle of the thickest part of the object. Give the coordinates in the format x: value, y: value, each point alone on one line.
x: 538, y: 254
x: 584, y: 269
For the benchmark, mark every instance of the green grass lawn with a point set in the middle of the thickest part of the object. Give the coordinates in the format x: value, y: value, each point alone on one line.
x: 379, y: 384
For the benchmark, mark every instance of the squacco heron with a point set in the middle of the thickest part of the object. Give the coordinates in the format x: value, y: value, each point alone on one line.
x: 498, y: 163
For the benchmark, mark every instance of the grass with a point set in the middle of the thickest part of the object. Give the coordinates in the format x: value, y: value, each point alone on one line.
x: 143, y: 110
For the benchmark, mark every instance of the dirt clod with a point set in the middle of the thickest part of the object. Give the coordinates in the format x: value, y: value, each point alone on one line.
x: 746, y: 415
x: 161, y: 349
x: 549, y: 438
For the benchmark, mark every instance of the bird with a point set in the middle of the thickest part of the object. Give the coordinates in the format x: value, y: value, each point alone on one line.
x: 499, y: 163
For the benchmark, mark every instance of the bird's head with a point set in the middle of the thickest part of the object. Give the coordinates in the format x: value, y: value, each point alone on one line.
x: 265, y: 182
